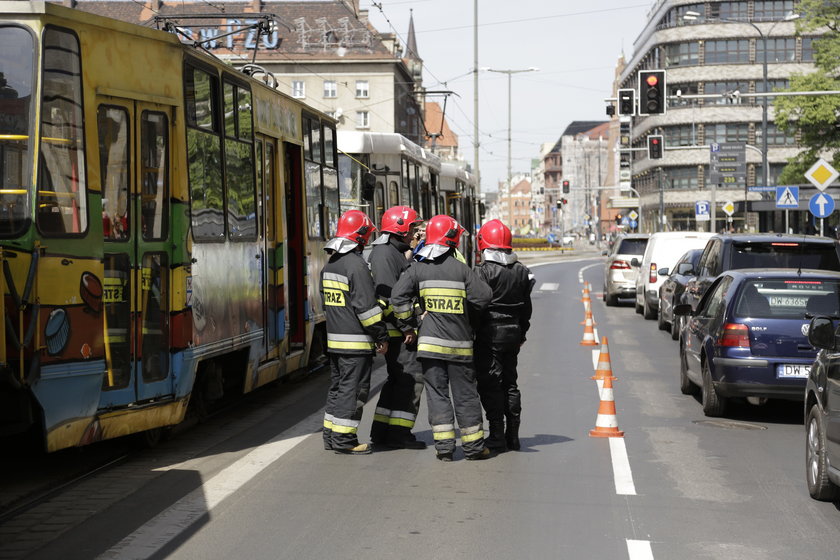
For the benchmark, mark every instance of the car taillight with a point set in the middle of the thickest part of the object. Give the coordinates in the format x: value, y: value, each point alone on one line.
x: 652, y: 278
x: 735, y: 335
x: 620, y: 265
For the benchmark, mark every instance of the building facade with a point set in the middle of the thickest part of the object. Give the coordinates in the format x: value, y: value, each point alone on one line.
x: 717, y: 50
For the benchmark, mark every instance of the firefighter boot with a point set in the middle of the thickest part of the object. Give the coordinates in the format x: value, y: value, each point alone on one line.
x: 496, y: 441
x: 512, y: 435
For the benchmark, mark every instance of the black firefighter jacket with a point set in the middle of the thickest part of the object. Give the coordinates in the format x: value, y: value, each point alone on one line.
x: 354, y: 318
x: 387, y: 263
x: 508, y: 317
x: 450, y: 292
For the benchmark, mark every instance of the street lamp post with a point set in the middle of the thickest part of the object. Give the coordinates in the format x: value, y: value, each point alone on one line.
x: 509, y: 74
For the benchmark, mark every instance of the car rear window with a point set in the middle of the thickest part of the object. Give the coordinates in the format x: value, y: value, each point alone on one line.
x: 632, y: 247
x: 822, y: 256
x: 788, y: 298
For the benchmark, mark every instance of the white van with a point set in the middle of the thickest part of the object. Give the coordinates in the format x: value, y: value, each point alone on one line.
x: 663, y: 251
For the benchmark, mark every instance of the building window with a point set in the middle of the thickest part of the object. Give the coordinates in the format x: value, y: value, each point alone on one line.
x: 681, y: 135
x: 330, y: 88
x: 298, y: 89
x: 728, y: 10
x: 681, y: 177
x: 775, y: 137
x: 725, y: 89
x: 684, y: 89
x: 726, y: 132
x: 727, y: 51
x: 781, y: 49
x: 362, y: 119
x: 681, y: 54
x: 772, y: 10
x: 808, y: 49
x: 362, y: 88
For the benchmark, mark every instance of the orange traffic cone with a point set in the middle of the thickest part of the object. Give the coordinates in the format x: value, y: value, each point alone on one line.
x: 606, y: 425
x: 604, y: 369
x: 588, y: 333
x: 587, y: 315
x: 585, y: 292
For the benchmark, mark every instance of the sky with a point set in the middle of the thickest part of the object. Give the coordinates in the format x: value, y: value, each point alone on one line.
x: 575, y: 45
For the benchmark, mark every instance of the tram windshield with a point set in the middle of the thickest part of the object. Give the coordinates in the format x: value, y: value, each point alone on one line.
x: 16, y: 71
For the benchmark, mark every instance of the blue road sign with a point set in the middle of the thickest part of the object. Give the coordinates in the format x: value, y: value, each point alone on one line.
x: 787, y: 197
x: 633, y: 224
x: 701, y: 210
x: 821, y: 205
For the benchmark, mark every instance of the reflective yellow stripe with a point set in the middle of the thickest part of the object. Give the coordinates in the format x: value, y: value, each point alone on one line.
x: 403, y: 422
x: 403, y: 315
x: 343, y: 429
x: 343, y: 345
x: 394, y: 333
x: 336, y: 285
x: 371, y: 320
x: 425, y: 292
x: 460, y: 257
x: 328, y: 424
x: 444, y: 350
x: 444, y: 435
x: 466, y: 438
x: 380, y: 418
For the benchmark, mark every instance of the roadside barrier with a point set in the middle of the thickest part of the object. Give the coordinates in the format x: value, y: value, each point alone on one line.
x: 606, y: 424
x: 604, y: 369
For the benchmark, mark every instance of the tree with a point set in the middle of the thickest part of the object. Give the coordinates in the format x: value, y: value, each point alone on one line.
x: 815, y: 118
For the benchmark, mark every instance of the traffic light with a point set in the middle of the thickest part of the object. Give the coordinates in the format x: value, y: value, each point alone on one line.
x: 626, y: 103
x: 618, y: 219
x: 654, y: 145
x: 566, y: 187
x: 560, y: 204
x: 651, y: 92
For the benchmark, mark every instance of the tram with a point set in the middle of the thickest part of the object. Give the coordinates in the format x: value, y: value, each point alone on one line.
x: 162, y: 218
x: 459, y: 198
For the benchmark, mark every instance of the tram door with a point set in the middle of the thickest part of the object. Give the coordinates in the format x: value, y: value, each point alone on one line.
x: 134, y: 153
x: 295, y: 246
x: 272, y: 260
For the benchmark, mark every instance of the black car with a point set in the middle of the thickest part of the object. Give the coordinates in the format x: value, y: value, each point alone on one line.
x: 671, y: 291
x: 767, y: 250
x: 822, y: 411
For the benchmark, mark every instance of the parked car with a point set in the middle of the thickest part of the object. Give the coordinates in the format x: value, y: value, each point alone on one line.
x: 662, y: 251
x: 619, y: 276
x: 749, y: 335
x: 760, y: 250
x: 822, y: 412
x: 672, y: 289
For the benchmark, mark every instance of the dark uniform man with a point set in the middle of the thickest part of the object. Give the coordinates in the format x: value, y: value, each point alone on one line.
x: 354, y: 329
x: 450, y: 292
x: 504, y: 325
x: 399, y: 399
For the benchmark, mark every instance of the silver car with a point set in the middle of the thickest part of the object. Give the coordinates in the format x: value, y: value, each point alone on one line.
x: 619, y: 274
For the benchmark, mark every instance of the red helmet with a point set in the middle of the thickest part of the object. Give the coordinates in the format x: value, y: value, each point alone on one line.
x: 443, y: 230
x: 398, y: 219
x: 494, y: 235
x: 355, y: 226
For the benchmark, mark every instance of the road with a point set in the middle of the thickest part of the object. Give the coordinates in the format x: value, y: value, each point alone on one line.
x: 258, y: 484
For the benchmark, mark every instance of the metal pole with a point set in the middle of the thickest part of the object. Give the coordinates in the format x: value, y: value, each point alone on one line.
x: 661, y: 203
x: 764, y: 162
x: 475, y: 96
x: 510, y: 173
x: 713, y: 210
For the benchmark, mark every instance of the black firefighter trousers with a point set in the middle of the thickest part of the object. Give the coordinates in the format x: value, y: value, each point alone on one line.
x: 495, y: 365
x: 348, y: 393
x: 439, y: 376
x: 399, y: 400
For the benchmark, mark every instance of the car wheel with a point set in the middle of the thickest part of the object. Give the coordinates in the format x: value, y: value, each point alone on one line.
x: 604, y: 294
x: 611, y: 300
x: 647, y: 312
x: 639, y: 309
x: 686, y: 386
x: 675, y: 328
x: 713, y: 404
x: 819, y: 485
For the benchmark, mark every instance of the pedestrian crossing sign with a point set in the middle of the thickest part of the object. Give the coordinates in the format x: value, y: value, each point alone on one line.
x: 787, y: 197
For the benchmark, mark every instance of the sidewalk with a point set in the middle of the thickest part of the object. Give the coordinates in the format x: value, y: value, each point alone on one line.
x: 559, y: 255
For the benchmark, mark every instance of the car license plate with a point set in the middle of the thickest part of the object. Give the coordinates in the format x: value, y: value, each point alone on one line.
x: 795, y: 371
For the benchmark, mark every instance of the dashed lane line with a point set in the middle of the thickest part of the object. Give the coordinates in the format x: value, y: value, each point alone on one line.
x: 549, y: 286
x: 622, y: 475
x: 585, y: 268
x: 639, y: 550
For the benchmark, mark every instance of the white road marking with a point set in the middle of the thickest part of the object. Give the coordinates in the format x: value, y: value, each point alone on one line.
x: 639, y: 550
x: 580, y: 272
x: 167, y: 525
x: 549, y: 286
x: 621, y: 468
x: 596, y: 353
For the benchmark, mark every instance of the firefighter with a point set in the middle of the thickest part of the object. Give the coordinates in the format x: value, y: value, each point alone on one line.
x: 399, y: 399
x: 504, y: 325
x: 449, y: 293
x: 354, y: 329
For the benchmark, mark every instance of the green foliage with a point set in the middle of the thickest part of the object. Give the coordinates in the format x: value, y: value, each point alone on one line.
x: 815, y: 118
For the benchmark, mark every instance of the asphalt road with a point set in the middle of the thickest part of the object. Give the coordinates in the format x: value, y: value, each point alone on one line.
x: 260, y: 485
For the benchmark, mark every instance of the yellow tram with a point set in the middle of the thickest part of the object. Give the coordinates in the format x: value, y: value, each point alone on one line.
x: 161, y: 223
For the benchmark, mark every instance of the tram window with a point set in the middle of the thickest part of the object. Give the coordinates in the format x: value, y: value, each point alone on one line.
x: 154, y: 353
x: 239, y: 164
x: 331, y: 199
x: 393, y: 195
x: 350, y: 176
x: 16, y: 142
x: 329, y: 146
x: 154, y: 161
x: 405, y: 198
x: 116, y: 297
x: 433, y: 198
x: 312, y: 179
x: 114, y: 148
x: 62, y: 188
x: 204, y: 149
x: 378, y: 203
